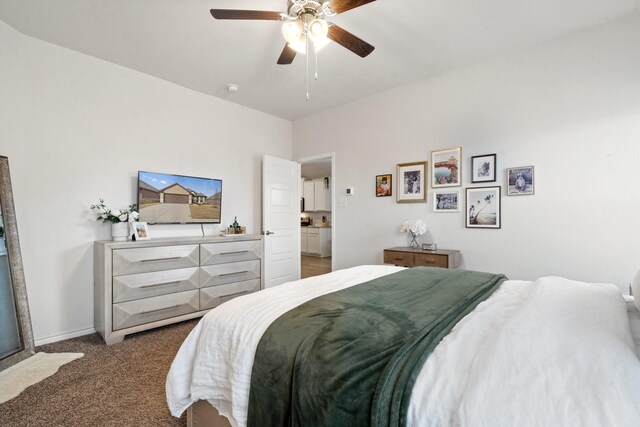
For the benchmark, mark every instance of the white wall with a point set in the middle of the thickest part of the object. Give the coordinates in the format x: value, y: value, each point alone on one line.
x: 570, y: 107
x: 76, y: 128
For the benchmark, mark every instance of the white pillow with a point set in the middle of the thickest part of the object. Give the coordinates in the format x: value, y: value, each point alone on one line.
x: 635, y: 290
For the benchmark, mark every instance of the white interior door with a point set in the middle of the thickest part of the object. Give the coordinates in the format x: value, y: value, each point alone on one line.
x: 280, y: 220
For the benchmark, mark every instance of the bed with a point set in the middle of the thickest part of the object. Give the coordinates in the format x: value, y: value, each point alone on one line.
x: 545, y: 352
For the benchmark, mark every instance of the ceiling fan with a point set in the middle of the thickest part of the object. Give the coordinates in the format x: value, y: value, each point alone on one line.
x: 305, y: 21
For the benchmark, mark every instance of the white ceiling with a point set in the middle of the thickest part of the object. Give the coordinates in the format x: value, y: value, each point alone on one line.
x: 179, y: 41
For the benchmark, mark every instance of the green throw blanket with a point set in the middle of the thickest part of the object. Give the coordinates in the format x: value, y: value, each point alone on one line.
x: 351, y: 357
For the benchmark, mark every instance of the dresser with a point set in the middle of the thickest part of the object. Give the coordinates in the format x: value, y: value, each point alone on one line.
x: 408, y: 257
x: 146, y: 284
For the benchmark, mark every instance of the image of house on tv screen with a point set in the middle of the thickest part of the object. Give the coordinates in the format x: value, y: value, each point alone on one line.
x: 164, y: 198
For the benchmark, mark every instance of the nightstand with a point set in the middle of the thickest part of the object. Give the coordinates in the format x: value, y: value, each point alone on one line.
x: 408, y: 257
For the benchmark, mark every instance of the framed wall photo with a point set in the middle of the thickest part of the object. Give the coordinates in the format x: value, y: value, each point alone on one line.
x: 411, y: 182
x: 446, y: 201
x: 483, y: 207
x: 384, y: 185
x: 446, y: 168
x: 520, y: 181
x: 140, y: 230
x: 483, y: 168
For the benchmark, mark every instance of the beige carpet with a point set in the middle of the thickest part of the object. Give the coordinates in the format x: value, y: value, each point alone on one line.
x: 16, y: 379
x: 119, y: 385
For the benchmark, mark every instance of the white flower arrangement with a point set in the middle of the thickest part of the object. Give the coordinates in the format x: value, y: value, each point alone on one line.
x: 115, y: 215
x: 415, y: 226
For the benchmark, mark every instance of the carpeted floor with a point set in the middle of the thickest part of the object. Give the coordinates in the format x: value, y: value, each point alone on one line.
x: 120, y: 385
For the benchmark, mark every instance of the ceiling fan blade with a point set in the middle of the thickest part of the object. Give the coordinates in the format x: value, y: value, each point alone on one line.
x: 246, y: 14
x: 341, y: 6
x: 348, y: 40
x: 287, y: 55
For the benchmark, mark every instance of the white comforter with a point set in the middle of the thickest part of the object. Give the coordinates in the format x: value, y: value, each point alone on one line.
x: 548, y: 352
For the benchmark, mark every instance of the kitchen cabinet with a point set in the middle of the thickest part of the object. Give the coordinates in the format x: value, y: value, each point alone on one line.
x: 317, y: 198
x: 315, y: 241
x: 304, y: 246
x: 309, y: 196
x: 322, y: 196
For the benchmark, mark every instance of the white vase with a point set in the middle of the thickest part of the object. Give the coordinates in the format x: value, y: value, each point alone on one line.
x: 120, y: 231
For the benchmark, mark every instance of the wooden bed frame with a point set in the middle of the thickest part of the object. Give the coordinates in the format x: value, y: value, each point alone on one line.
x: 202, y: 414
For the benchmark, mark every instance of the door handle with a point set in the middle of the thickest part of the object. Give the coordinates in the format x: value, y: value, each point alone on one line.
x: 267, y: 233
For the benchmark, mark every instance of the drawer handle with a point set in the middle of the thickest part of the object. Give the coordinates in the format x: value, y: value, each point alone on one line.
x: 160, y: 259
x: 160, y: 309
x: 160, y: 284
x: 235, y: 295
x: 428, y: 262
x: 231, y: 274
x: 234, y: 253
x: 398, y: 258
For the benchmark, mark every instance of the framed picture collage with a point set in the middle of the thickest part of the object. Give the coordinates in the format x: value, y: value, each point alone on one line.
x: 482, y: 200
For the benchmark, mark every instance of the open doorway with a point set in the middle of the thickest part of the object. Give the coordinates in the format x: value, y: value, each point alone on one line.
x: 317, y: 216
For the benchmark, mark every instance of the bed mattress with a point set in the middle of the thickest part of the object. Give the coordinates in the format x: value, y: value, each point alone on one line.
x: 519, y: 353
x: 634, y: 322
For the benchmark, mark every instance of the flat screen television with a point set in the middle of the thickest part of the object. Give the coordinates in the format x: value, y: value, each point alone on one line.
x: 177, y: 199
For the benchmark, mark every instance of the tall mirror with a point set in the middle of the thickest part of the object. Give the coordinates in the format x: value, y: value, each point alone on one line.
x: 16, y: 336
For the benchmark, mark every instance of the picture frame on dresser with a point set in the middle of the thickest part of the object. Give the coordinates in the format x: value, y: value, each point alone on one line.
x: 140, y: 230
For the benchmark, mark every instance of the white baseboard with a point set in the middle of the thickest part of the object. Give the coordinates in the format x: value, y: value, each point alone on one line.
x: 56, y: 338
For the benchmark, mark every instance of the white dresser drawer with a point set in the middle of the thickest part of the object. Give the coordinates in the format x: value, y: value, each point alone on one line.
x: 145, y: 285
x: 142, y: 260
x: 139, y: 312
x: 220, y: 253
x: 216, y: 295
x: 214, y: 275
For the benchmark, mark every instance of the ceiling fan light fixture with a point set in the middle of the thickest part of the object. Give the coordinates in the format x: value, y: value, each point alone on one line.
x: 320, y: 43
x: 292, y: 30
x: 318, y: 29
x: 306, y: 21
x: 299, y: 45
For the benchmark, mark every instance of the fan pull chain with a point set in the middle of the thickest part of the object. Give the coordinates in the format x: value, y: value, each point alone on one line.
x: 316, y: 52
x: 307, y: 60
